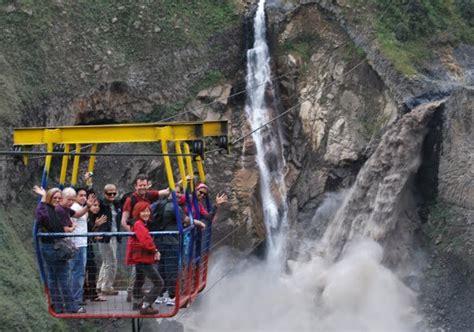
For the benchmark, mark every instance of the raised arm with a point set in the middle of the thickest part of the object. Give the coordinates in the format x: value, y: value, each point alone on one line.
x: 90, y: 200
x: 40, y: 191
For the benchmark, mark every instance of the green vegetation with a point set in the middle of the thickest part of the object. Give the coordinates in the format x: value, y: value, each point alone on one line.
x: 371, y: 123
x: 161, y: 112
x: 213, y: 77
x: 21, y: 300
x: 170, y: 23
x: 49, y: 52
x: 303, y: 44
x: 408, y: 31
x: 51, y: 48
x: 353, y: 52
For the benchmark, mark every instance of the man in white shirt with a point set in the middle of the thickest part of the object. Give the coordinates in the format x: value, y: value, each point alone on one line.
x: 77, y: 265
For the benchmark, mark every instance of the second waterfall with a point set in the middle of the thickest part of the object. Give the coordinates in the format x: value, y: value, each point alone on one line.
x: 260, y: 104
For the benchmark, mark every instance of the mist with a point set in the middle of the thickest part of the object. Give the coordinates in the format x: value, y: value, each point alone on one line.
x: 354, y: 293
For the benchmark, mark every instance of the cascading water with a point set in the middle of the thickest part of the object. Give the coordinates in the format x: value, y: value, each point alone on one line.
x: 338, y: 282
x: 372, y: 207
x: 268, y: 141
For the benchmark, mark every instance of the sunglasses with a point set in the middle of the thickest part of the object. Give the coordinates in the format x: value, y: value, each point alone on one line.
x: 202, y: 193
x: 111, y: 194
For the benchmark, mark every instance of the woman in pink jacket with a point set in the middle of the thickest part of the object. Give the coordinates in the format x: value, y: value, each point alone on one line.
x: 142, y: 252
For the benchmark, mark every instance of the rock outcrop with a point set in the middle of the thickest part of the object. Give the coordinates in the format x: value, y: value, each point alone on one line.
x: 342, y: 105
x: 456, y: 166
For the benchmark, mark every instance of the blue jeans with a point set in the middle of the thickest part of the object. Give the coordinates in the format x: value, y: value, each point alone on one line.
x: 168, y: 265
x: 57, y: 278
x: 77, y: 271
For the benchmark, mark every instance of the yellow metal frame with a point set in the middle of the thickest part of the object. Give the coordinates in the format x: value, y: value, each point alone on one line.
x: 64, y: 164
x: 169, y: 169
x: 165, y: 132
x: 189, y: 165
x: 181, y: 167
x: 123, y: 133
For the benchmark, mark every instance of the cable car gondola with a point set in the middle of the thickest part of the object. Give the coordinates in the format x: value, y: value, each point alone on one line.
x: 182, y: 149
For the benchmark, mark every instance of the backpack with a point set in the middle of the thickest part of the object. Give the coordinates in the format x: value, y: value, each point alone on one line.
x: 157, y: 211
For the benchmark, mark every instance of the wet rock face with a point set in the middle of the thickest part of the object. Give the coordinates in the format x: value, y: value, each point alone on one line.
x: 447, y: 235
x: 343, y: 105
x: 456, y: 168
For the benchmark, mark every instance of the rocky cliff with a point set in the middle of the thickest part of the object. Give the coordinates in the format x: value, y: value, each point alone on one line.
x: 66, y: 63
x: 348, y: 92
x: 115, y: 62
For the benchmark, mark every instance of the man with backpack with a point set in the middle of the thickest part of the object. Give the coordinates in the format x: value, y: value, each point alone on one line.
x: 164, y: 219
x: 142, y: 193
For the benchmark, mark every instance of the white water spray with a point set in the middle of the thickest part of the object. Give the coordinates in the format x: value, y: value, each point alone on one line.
x: 268, y: 143
x: 338, y: 282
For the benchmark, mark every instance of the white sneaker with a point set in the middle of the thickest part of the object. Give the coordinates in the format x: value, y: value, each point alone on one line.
x: 170, y: 302
x: 160, y: 300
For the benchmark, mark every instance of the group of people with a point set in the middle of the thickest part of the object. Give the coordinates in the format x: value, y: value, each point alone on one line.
x: 73, y: 281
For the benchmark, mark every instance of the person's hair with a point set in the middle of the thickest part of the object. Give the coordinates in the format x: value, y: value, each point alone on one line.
x: 140, y: 177
x: 69, y: 192
x: 202, y: 186
x: 110, y: 186
x: 139, y: 207
x: 78, y: 189
x: 50, y: 193
x: 180, y: 187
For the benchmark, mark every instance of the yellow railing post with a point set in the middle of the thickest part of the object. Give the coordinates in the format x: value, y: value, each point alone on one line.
x: 169, y: 170
x: 189, y: 164
x: 182, y: 170
x: 64, y: 163
x: 75, y: 165
x: 90, y: 167
x: 200, y: 167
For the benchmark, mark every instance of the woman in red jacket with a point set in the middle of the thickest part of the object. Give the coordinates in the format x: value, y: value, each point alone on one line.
x: 142, y: 252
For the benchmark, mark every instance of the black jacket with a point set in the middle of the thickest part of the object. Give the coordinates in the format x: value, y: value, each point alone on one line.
x: 107, y: 226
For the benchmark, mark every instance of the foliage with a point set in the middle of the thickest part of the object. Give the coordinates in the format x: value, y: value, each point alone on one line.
x: 21, y: 301
x: 162, y: 112
x: 303, y: 44
x: 408, y: 29
x: 212, y: 78
x: 50, y: 48
x: 405, y: 56
x: 353, y: 52
x: 371, y: 123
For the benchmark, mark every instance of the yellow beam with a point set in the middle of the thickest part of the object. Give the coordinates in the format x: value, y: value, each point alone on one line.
x: 75, y: 166
x: 47, y: 164
x: 189, y: 165
x: 122, y: 133
x: 169, y: 169
x: 200, y: 167
x: 181, y: 167
x: 90, y: 167
x: 65, y: 161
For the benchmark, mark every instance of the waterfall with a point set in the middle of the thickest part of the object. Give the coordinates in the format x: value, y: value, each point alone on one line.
x: 372, y: 207
x: 338, y: 282
x: 260, y: 94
